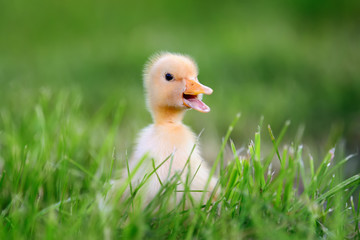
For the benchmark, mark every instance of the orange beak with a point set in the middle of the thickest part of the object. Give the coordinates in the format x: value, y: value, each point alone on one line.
x: 196, y: 88
x: 190, y: 96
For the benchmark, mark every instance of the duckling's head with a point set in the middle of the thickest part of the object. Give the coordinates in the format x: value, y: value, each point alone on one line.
x: 171, y: 83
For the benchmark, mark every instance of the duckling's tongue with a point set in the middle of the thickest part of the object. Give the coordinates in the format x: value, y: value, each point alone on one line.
x: 194, y: 102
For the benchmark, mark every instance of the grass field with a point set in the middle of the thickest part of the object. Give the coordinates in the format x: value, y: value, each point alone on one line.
x: 57, y: 163
x: 72, y: 103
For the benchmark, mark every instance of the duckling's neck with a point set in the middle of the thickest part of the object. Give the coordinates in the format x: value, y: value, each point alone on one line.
x: 163, y: 115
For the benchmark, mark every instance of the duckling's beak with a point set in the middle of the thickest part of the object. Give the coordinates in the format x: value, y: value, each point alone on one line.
x: 191, y: 96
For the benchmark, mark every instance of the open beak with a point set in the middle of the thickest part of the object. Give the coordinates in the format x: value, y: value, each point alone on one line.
x: 191, y: 96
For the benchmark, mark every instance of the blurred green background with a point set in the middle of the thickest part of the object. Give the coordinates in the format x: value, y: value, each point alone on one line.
x: 297, y: 60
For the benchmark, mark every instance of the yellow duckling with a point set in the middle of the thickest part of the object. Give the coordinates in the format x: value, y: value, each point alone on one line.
x: 172, y: 87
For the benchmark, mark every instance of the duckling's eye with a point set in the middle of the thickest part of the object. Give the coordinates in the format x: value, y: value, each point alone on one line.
x: 169, y: 76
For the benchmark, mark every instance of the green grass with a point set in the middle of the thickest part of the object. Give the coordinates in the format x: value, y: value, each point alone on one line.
x: 293, y: 60
x: 57, y: 159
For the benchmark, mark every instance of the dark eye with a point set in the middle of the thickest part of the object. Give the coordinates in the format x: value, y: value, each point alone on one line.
x: 169, y: 76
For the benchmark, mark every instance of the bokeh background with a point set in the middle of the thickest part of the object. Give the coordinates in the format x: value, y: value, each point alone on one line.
x: 296, y: 60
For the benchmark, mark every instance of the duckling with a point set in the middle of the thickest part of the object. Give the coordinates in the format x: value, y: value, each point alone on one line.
x: 171, y: 87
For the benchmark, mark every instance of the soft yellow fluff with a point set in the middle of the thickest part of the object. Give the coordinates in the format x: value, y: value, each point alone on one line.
x: 167, y: 100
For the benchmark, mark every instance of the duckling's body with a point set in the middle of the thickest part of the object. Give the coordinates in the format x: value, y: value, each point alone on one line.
x: 172, y: 88
x: 175, y: 142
